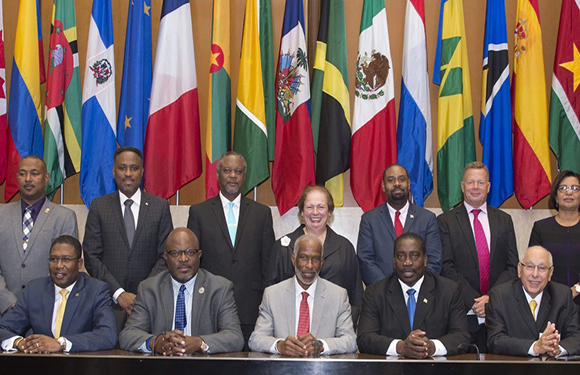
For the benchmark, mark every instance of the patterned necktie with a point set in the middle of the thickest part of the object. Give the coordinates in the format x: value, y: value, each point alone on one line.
x: 129, y: 221
x: 398, y: 224
x: 411, y: 304
x: 304, y: 320
x: 27, y: 224
x: 533, y: 305
x: 60, y: 313
x: 180, y: 318
x: 232, y: 225
x: 482, y: 252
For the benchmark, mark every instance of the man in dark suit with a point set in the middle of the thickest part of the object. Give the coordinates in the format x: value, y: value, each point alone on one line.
x: 126, y: 232
x: 412, y: 313
x: 68, y: 310
x: 533, y: 315
x: 237, y: 237
x: 380, y: 227
x: 183, y: 310
x: 479, y: 248
x: 27, y: 229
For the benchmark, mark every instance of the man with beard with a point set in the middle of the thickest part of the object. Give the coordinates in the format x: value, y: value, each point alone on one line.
x: 125, y: 233
x: 380, y: 227
x: 185, y: 309
x: 304, y: 314
x: 412, y: 313
x: 237, y: 237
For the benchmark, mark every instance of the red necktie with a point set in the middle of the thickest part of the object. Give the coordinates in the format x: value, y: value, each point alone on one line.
x: 304, y: 320
x: 482, y: 252
x: 398, y: 225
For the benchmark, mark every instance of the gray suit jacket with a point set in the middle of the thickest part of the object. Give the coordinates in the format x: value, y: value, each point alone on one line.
x: 17, y: 269
x: 109, y: 256
x: 214, y: 317
x: 331, y: 319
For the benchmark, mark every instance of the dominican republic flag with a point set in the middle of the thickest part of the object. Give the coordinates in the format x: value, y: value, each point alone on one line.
x: 172, y: 144
x: 414, y: 138
x: 293, y: 167
x: 99, y: 130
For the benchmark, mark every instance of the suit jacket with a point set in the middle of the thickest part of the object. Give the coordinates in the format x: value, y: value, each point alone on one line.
x: 213, y: 314
x: 17, y: 268
x: 108, y: 254
x: 245, y: 263
x: 376, y: 240
x: 460, y: 261
x: 511, y: 328
x: 88, y: 322
x: 331, y: 319
x: 439, y: 312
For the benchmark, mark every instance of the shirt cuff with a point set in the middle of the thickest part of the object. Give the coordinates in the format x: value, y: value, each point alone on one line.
x: 324, y: 349
x: 392, y: 350
x: 117, y: 294
x: 531, y: 350
x: 143, y: 348
x: 563, y: 352
x: 273, y: 349
x: 440, y: 349
x: 68, y: 346
x: 8, y: 344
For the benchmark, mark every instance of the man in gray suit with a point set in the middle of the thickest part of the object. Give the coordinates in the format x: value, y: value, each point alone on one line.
x: 126, y: 232
x: 304, y: 314
x: 185, y: 309
x: 27, y: 229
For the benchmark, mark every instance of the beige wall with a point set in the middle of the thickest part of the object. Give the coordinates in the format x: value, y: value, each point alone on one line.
x: 201, y: 16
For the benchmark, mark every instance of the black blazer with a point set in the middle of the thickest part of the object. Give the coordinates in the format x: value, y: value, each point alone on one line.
x: 246, y: 263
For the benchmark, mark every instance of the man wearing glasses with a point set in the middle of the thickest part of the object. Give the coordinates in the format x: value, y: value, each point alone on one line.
x: 185, y: 309
x: 533, y: 315
x: 68, y: 310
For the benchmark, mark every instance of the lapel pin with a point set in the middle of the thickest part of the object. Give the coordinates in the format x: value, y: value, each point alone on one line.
x: 201, y: 290
x: 146, y: 203
x: 77, y: 294
x: 412, y: 216
x: 47, y: 210
x: 425, y: 300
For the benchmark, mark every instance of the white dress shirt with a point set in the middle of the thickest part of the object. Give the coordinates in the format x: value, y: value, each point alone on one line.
x: 403, y: 217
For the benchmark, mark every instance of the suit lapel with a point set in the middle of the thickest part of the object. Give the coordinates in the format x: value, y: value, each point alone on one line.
x: 218, y: 211
x: 330, y: 243
x: 16, y: 218
x: 465, y: 224
x: 48, y: 304
x: 397, y: 301
x: 545, y: 306
x: 425, y: 300
x: 290, y: 309
x: 319, y: 307
x: 43, y: 215
x: 493, y: 228
x: 388, y: 223
x: 118, y: 214
x: 73, y: 300
x: 143, y: 214
x: 243, y: 217
x: 524, y: 308
x: 410, y: 220
x: 198, y: 299
x: 167, y: 293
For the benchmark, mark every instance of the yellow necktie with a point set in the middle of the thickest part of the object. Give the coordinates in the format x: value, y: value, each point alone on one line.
x: 60, y: 313
x: 533, y: 305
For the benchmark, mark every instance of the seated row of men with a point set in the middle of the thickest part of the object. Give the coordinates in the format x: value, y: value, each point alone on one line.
x: 185, y: 310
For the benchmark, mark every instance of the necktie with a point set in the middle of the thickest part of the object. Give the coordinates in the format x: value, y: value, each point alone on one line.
x: 60, y: 313
x: 533, y: 305
x: 482, y: 252
x: 27, y: 225
x: 129, y: 221
x: 398, y: 224
x: 232, y: 225
x: 304, y: 320
x: 180, y: 318
x: 411, y: 304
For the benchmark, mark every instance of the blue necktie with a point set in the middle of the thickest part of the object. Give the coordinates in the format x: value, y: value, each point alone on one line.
x: 411, y: 304
x: 232, y: 225
x: 180, y: 318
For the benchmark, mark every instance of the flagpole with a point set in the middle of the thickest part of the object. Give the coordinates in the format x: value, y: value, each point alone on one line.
x: 255, y: 193
x: 177, y: 198
x: 62, y: 194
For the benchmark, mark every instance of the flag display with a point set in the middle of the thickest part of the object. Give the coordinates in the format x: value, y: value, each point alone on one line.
x: 532, y: 173
x: 137, y: 76
x: 256, y: 93
x: 374, y: 143
x: 24, y: 112
x: 455, y: 135
x: 3, y: 119
x: 496, y: 111
x: 565, y: 99
x: 414, y: 135
x: 62, y: 123
x: 99, y: 135
x: 293, y: 167
x: 172, y: 148
x: 219, y: 114
x: 330, y: 100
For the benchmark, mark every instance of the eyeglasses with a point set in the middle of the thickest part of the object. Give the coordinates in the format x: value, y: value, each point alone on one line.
x: 565, y: 188
x: 190, y: 253
x: 531, y: 267
x: 65, y: 260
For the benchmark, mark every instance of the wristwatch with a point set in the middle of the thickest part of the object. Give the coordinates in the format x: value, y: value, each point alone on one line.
x: 62, y: 341
x: 577, y: 287
x: 204, y: 347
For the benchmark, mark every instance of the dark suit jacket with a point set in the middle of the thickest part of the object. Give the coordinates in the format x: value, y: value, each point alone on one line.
x: 246, y: 263
x: 108, y: 254
x: 384, y: 316
x: 511, y: 328
x: 376, y: 239
x: 213, y: 314
x: 460, y: 262
x: 88, y: 322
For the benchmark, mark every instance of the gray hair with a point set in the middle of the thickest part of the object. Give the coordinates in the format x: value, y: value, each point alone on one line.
x: 550, y: 259
x: 306, y: 239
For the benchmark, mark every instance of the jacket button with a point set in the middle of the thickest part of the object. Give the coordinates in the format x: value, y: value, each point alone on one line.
x: 23, y: 286
x: 23, y: 265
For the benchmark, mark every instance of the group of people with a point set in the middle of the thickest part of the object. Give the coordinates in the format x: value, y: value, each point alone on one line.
x: 223, y: 284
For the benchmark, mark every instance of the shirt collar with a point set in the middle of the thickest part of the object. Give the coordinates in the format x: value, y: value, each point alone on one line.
x: 226, y: 201
x: 403, y: 210
x: 57, y: 288
x: 311, y: 289
x: 188, y: 285
x: 538, y: 298
x: 417, y: 286
x: 136, y: 198
x: 36, y: 207
x: 470, y: 208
